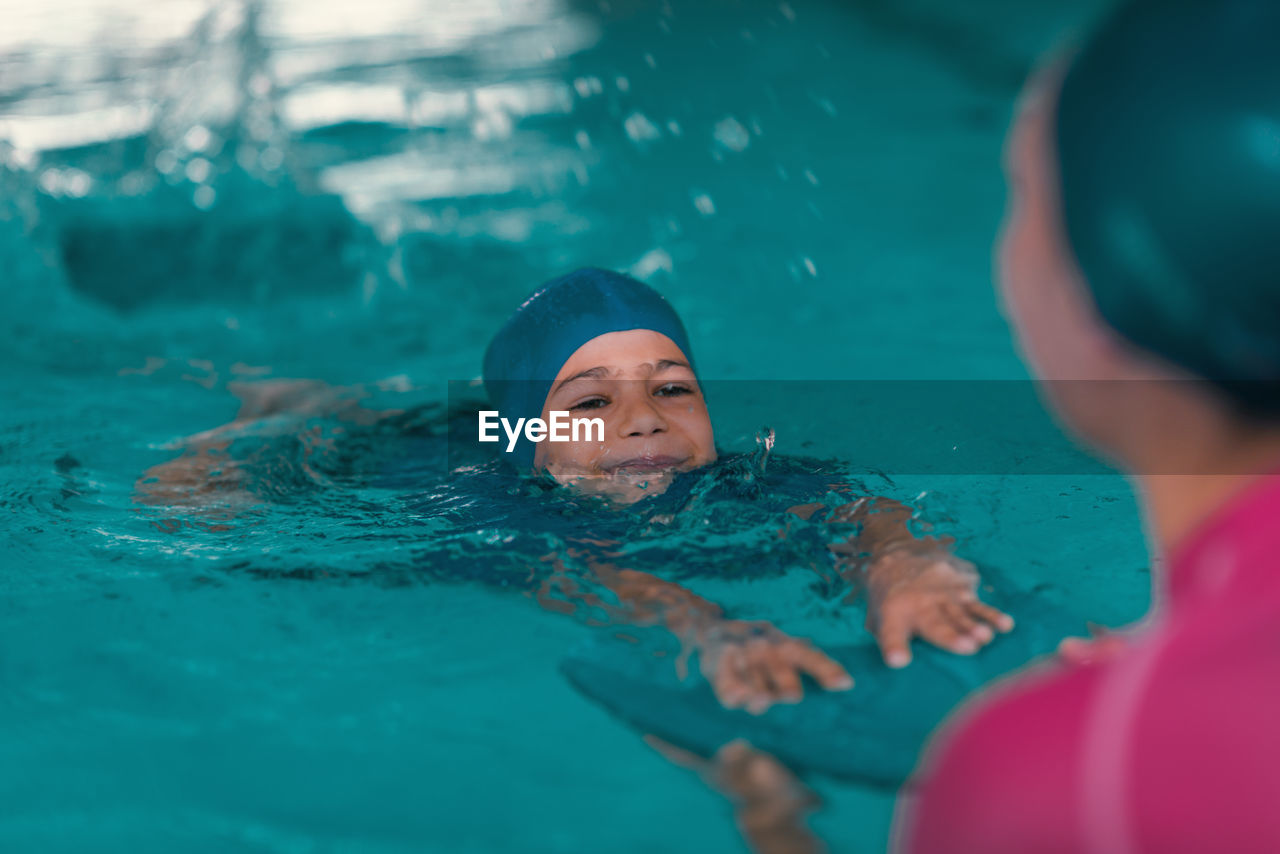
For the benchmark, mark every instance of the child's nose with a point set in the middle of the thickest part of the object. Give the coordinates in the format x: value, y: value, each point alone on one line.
x: 640, y: 417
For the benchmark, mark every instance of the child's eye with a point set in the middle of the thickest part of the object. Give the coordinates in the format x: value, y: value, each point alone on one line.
x: 673, y: 390
x: 589, y: 403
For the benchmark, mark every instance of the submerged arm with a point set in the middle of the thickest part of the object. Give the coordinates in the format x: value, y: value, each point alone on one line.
x: 205, y: 474
x: 749, y: 663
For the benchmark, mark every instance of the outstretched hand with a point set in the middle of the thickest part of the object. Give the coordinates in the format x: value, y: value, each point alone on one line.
x: 752, y: 665
x: 931, y: 595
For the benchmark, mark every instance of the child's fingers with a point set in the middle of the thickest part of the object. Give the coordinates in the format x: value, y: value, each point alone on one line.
x: 729, y: 685
x: 756, y: 682
x: 785, y: 679
x: 994, y: 617
x: 826, y: 671
x: 894, y: 636
x: 759, y: 694
x: 725, y: 687
x: 968, y: 625
x: 939, y: 629
x: 959, y: 617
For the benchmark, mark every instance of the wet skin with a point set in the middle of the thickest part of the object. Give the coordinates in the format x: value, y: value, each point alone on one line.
x: 656, y: 422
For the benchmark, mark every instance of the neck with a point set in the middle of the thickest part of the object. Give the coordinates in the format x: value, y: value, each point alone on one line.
x: 1177, y: 504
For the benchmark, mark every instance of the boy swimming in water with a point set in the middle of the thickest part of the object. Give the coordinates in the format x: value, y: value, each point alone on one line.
x: 599, y: 344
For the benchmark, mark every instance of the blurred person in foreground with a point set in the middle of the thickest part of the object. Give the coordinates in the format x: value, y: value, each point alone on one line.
x: 1140, y: 266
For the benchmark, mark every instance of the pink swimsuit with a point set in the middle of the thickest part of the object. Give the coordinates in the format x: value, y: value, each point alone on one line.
x: 1171, y: 746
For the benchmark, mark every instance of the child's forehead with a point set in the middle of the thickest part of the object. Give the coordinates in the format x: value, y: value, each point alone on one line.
x: 625, y: 352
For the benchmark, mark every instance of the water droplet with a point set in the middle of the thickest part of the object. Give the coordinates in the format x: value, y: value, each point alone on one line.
x: 197, y: 138
x: 198, y: 170
x: 640, y: 129
x: 51, y: 182
x: 76, y: 183
x: 731, y: 134
x: 166, y: 162
x: 271, y: 159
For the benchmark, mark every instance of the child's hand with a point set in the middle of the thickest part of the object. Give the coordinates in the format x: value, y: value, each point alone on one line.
x: 933, y: 595
x: 753, y: 665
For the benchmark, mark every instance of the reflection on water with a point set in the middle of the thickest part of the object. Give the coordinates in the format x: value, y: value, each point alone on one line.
x: 194, y: 73
x: 235, y: 104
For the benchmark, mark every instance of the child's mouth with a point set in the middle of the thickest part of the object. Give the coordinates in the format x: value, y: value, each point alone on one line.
x: 645, y: 464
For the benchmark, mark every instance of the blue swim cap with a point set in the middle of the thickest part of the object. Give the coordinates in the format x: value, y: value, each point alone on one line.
x: 1168, y: 138
x: 524, y: 357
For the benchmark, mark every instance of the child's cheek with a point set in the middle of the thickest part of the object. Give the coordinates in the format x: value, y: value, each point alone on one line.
x: 571, y: 457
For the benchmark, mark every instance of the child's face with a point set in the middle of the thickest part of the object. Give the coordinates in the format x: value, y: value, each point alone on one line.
x: 655, y: 418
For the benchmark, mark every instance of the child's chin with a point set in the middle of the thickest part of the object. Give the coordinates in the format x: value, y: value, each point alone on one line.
x: 620, y: 487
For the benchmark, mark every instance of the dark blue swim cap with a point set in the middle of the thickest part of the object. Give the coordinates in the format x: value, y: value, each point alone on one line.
x: 524, y: 357
x: 1168, y: 137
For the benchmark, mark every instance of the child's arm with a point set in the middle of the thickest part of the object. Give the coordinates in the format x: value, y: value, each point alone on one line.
x: 915, y: 586
x: 205, y: 475
x: 749, y: 663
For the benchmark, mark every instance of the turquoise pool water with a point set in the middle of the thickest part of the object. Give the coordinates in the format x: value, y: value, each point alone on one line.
x: 301, y: 634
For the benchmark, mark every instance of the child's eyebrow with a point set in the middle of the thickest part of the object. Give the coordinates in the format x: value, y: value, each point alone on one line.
x: 599, y: 373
